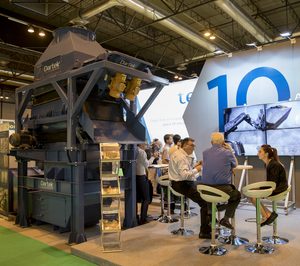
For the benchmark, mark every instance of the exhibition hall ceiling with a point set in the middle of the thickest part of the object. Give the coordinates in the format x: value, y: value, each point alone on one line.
x: 176, y: 36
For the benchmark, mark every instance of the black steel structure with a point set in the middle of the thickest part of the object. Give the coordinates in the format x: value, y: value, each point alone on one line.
x: 72, y: 110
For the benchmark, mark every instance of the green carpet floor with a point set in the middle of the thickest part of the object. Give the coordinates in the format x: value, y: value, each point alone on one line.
x: 16, y: 249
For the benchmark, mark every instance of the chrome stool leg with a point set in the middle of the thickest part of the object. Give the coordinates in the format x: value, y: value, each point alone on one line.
x: 182, y: 231
x: 275, y: 239
x: 188, y: 213
x: 258, y: 247
x: 163, y: 217
x: 213, y: 249
x: 233, y: 239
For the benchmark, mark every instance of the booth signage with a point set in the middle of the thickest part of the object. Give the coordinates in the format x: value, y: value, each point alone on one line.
x: 250, y: 77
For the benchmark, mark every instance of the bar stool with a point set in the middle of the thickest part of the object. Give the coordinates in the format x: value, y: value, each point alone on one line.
x: 181, y: 231
x: 163, y: 218
x: 232, y: 238
x: 259, y: 190
x: 213, y: 196
x: 275, y: 239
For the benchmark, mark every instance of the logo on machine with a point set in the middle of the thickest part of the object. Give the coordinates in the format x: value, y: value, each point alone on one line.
x: 52, y: 65
x: 49, y: 185
x: 125, y: 63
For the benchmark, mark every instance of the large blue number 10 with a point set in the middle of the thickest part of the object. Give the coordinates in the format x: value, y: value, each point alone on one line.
x: 220, y: 82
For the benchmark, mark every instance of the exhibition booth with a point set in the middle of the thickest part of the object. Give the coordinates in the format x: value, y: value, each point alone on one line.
x: 252, y: 96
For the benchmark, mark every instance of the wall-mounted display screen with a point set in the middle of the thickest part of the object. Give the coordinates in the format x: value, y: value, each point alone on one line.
x: 246, y: 142
x: 283, y: 115
x: 286, y: 141
x: 246, y: 128
x: 244, y: 118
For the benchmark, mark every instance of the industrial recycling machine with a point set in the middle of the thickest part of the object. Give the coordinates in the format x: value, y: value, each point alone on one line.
x: 82, y: 95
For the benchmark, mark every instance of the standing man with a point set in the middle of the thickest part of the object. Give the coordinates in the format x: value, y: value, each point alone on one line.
x: 168, y: 138
x: 183, y: 177
x: 176, y: 146
x: 218, y: 163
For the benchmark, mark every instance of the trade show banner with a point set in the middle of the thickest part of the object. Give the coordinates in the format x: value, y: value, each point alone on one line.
x: 164, y: 116
x: 247, y: 78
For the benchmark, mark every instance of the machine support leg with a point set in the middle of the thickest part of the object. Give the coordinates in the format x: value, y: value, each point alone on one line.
x: 22, y: 218
x: 77, y: 234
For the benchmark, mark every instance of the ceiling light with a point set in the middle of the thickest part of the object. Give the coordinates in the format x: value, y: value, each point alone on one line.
x: 42, y: 33
x: 207, y: 34
x: 6, y: 98
x: 285, y: 34
x: 252, y: 44
x: 30, y: 29
x: 176, y: 77
x: 1, y: 97
x: 212, y: 37
x: 218, y: 52
x: 179, y: 78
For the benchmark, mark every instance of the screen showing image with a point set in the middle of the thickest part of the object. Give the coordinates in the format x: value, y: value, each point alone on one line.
x: 244, y: 118
x: 246, y: 142
x: 285, y: 141
x: 283, y: 115
x: 246, y: 128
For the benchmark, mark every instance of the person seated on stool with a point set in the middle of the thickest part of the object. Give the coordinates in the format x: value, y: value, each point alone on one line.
x: 183, y: 177
x: 218, y: 163
x: 275, y: 172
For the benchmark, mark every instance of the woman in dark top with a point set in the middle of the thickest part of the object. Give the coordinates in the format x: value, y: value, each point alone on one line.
x: 276, y: 173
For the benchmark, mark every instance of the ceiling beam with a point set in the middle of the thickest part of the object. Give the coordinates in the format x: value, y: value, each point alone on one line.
x: 242, y: 19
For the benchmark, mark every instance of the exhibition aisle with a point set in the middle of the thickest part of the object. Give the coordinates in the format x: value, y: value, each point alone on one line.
x: 149, y: 244
x: 16, y: 249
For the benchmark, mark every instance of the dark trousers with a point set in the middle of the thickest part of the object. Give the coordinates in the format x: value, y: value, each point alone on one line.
x: 143, y: 195
x: 234, y: 200
x: 189, y: 189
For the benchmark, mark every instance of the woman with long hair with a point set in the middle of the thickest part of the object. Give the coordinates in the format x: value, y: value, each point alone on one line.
x: 275, y: 172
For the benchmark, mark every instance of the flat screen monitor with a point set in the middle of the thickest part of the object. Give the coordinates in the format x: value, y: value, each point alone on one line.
x: 286, y: 141
x: 246, y: 128
x: 246, y: 142
x: 244, y: 118
x: 283, y: 115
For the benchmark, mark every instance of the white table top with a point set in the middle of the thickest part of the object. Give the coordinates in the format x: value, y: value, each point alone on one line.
x: 159, y: 165
x: 243, y: 167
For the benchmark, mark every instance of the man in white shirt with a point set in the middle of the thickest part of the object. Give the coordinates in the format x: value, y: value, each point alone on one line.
x: 142, y: 184
x: 183, y: 177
